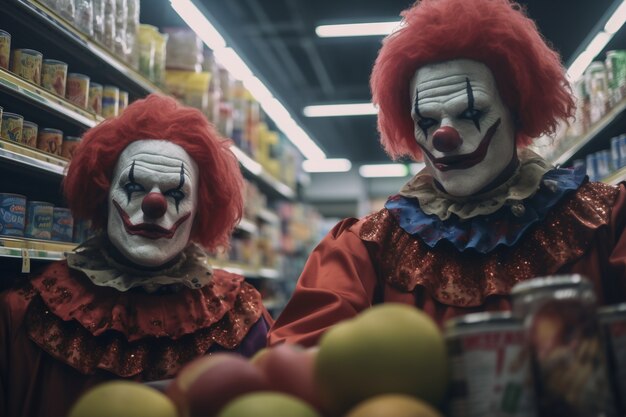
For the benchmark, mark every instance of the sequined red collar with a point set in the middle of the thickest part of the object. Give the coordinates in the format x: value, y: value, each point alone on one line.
x: 133, y: 332
x: 465, y: 279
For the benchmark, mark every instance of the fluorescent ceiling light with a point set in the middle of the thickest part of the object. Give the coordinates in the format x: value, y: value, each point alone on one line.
x: 332, y: 110
x: 327, y: 165
x: 383, y: 170
x: 597, y: 44
x: 357, y: 29
x: 237, y: 67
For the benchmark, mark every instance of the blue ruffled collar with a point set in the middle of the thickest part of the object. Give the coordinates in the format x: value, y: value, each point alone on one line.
x: 484, y: 232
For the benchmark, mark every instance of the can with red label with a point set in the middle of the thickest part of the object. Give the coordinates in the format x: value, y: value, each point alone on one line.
x: 77, y: 90
x: 491, y: 373
x: 29, y: 133
x: 613, y: 321
x: 566, y: 346
x: 50, y: 140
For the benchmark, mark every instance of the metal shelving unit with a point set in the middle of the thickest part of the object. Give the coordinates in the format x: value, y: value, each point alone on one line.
x: 24, y: 248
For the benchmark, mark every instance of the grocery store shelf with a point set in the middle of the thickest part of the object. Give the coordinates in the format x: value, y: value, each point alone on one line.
x: 247, y: 226
x: 572, y: 145
x: 34, y: 249
x: 268, y: 216
x: 35, y: 95
x: 616, y: 177
x: 31, y: 158
x: 246, y: 270
x: 45, y: 20
x: 266, y: 180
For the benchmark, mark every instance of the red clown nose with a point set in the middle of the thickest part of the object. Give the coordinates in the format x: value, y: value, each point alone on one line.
x: 446, y: 139
x: 154, y: 205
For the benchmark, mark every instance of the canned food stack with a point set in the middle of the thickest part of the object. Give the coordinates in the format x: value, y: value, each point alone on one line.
x: 601, y: 164
x: 20, y: 217
x: 555, y: 355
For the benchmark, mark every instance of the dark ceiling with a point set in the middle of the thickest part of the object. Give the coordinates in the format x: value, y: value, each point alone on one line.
x: 277, y: 39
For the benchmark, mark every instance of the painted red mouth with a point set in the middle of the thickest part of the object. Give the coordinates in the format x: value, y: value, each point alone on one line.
x: 448, y: 163
x: 148, y: 230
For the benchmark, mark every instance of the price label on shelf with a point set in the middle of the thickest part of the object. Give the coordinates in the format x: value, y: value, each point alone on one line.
x: 25, y: 261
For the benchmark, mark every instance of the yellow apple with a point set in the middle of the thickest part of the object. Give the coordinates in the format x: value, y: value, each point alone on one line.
x: 396, y: 405
x: 267, y: 404
x: 389, y: 348
x: 123, y: 399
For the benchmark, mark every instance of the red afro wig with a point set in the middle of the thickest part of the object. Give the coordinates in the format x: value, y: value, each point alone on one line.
x: 528, y: 73
x: 220, y: 197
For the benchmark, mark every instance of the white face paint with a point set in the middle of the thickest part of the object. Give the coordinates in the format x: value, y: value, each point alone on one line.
x: 462, y: 125
x: 152, y: 202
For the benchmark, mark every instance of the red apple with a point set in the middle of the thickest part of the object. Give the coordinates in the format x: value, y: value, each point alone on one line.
x: 290, y: 369
x: 206, y: 384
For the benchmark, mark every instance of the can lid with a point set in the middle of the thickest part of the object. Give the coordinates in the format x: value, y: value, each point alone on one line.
x: 77, y: 75
x: 41, y: 203
x: 12, y: 115
x: 13, y: 195
x: 111, y: 87
x: 54, y: 61
x: 612, y: 309
x: 28, y: 51
x: 72, y: 139
x: 50, y: 130
x: 596, y: 66
x: 29, y: 123
x: 482, y: 318
x: 5, y: 33
x: 551, y: 282
x: 95, y: 85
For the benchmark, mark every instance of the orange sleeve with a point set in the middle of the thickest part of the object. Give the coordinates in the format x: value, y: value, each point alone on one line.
x: 338, y: 282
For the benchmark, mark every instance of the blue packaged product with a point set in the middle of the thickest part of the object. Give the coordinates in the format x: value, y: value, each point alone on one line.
x: 603, y: 164
x: 39, y: 220
x: 62, y: 224
x: 590, y: 162
x: 622, y: 149
x: 12, y: 214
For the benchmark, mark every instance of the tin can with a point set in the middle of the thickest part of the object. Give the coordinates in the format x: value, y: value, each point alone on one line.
x: 39, y: 220
x: 590, y: 163
x: 50, y: 140
x: 491, y: 373
x: 29, y: 134
x: 54, y: 76
x: 110, y: 101
x: 77, y: 90
x: 616, y: 157
x: 26, y: 63
x: 123, y: 101
x: 622, y: 149
x: 613, y: 321
x: 62, y: 224
x: 69, y: 146
x: 5, y: 49
x: 12, y: 125
x: 616, y: 71
x: 95, y: 98
x: 566, y: 346
x: 596, y: 83
x: 603, y: 164
x: 12, y: 214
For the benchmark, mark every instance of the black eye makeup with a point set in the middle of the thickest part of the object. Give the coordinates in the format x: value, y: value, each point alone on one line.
x: 131, y: 186
x: 176, y: 193
x: 471, y: 113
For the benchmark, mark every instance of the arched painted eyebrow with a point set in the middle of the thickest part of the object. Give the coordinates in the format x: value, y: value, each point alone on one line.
x: 415, y: 106
x: 470, y: 94
x: 182, y: 176
x: 131, y: 173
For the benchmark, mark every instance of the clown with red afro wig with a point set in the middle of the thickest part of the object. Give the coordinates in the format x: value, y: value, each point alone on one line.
x: 140, y: 299
x: 465, y: 86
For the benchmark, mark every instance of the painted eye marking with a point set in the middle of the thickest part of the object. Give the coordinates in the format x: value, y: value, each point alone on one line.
x: 471, y: 113
x: 424, y: 123
x: 176, y: 193
x: 131, y: 186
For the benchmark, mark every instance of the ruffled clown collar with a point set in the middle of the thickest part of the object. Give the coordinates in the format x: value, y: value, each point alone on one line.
x: 485, y: 221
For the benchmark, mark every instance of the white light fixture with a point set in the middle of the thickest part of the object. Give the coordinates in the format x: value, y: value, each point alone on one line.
x: 383, y: 170
x: 357, y: 29
x: 237, y: 67
x: 597, y: 44
x: 334, y: 110
x: 327, y: 165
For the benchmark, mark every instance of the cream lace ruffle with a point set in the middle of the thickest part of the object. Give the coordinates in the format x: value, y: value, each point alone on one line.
x: 523, y: 184
x: 92, y: 258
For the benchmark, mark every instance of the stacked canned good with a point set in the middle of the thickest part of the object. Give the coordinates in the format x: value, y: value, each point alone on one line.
x: 14, y: 128
x: 554, y: 355
x: 52, y: 75
x: 601, y: 164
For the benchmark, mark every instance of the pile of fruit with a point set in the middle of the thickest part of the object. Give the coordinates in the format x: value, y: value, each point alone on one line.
x: 388, y: 361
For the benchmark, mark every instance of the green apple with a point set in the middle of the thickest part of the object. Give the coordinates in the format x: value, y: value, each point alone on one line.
x: 396, y: 405
x: 123, y: 399
x: 389, y: 348
x: 267, y: 404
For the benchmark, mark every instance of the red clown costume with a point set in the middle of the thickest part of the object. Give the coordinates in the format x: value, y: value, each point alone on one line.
x: 140, y: 299
x: 465, y: 85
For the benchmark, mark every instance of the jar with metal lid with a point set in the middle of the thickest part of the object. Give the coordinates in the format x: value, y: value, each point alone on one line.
x: 566, y: 345
x: 490, y: 366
